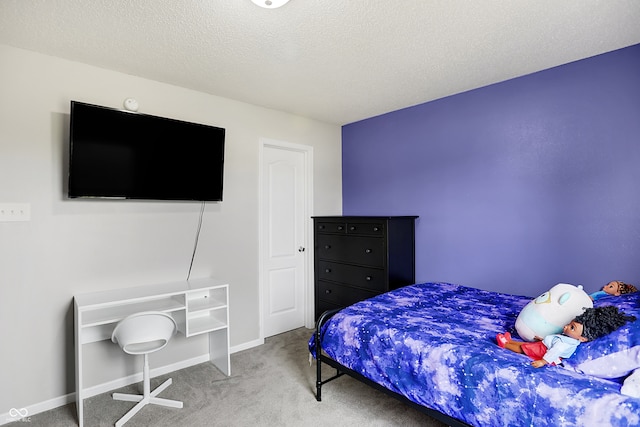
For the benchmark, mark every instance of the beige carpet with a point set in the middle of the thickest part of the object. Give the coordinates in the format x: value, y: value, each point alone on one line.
x: 270, y: 385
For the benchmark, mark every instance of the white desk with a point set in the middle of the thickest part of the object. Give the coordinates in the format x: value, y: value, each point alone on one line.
x: 199, y: 307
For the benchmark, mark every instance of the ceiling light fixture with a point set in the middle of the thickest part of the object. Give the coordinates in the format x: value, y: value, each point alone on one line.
x: 270, y: 4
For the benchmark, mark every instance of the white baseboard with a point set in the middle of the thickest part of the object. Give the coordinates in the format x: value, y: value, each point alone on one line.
x: 16, y: 414
x: 246, y: 346
x: 136, y: 378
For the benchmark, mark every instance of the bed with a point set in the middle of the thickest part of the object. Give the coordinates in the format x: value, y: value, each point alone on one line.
x: 432, y: 345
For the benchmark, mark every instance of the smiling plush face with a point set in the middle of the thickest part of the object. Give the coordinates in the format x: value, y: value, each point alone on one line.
x: 551, y: 311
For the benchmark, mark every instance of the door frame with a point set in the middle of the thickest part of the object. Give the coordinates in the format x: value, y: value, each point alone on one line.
x: 308, y: 289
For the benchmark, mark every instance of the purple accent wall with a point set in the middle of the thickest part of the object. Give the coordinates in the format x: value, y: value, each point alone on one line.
x: 518, y: 185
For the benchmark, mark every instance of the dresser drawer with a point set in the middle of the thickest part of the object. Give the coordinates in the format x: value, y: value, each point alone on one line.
x: 322, y: 306
x: 368, y: 251
x: 341, y: 295
x: 365, y: 228
x: 331, y: 227
x: 362, y: 277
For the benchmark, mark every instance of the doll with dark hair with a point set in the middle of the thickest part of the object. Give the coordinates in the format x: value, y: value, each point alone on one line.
x: 614, y: 288
x: 588, y: 326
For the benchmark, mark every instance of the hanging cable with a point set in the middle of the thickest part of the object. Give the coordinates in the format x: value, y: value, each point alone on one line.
x: 195, y: 246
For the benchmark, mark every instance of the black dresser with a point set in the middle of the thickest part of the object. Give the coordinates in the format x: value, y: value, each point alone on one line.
x: 358, y: 257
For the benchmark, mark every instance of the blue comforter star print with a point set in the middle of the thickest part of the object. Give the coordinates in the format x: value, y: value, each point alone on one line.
x: 434, y: 343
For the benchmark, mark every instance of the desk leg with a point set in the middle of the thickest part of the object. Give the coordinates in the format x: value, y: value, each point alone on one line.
x: 79, y: 385
x: 219, y: 350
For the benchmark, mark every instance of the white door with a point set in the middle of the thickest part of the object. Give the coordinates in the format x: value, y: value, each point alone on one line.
x: 284, y: 223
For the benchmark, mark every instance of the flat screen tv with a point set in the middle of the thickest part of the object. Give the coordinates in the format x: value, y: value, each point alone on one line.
x: 120, y: 154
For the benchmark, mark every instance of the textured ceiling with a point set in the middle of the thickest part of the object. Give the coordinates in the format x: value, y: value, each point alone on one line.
x: 338, y: 61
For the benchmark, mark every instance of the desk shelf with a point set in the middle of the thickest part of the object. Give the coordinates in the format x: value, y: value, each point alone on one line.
x: 200, y: 325
x: 115, y: 313
x: 207, y: 311
x: 205, y: 304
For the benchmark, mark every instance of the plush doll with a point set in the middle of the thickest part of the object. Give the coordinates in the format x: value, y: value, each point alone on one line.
x: 547, y: 314
x: 614, y: 288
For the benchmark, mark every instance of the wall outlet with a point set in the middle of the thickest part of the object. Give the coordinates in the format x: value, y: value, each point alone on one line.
x: 12, y: 212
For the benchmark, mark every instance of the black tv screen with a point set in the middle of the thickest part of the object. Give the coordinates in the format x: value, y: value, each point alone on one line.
x: 126, y: 155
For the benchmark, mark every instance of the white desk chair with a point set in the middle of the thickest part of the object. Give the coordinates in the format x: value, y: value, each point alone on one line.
x: 144, y: 333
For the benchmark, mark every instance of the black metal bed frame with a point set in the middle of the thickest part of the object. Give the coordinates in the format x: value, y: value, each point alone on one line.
x: 342, y: 370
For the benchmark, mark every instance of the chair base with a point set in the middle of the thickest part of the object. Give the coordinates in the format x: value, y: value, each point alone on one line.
x: 145, y: 399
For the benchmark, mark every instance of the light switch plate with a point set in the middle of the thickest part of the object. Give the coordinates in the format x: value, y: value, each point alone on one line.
x: 13, y: 212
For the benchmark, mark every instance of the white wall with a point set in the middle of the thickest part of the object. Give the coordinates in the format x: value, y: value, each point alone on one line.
x: 77, y: 246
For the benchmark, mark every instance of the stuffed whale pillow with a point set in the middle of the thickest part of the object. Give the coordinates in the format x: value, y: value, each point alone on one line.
x: 548, y: 313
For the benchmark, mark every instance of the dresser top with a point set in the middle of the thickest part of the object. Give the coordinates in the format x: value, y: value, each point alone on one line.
x: 364, y: 217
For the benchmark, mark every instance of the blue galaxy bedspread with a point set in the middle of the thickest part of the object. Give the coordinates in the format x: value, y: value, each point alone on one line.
x: 435, y: 344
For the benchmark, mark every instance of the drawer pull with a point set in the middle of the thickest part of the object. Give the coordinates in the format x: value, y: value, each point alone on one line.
x: 352, y: 228
x: 340, y: 228
x: 328, y: 270
x: 327, y: 246
x: 367, y: 251
x: 369, y: 278
x: 321, y: 227
x: 328, y: 291
x: 376, y: 229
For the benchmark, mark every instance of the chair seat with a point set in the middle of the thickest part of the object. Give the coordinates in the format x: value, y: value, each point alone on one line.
x: 144, y: 347
x: 144, y: 332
